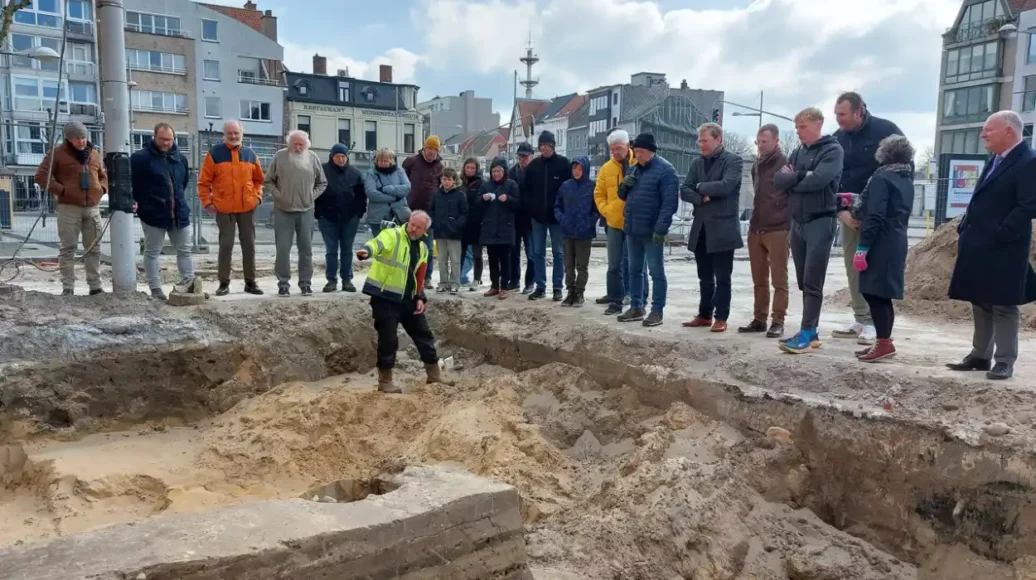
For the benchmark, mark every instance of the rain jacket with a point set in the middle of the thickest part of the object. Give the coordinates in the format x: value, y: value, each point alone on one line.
x: 574, y: 208
x: 390, y: 265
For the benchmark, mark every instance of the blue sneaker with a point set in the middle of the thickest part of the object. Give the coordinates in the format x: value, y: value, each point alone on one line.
x: 803, y: 342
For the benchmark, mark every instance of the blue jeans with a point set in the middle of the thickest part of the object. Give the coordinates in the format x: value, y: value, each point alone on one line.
x: 539, y: 254
x: 618, y: 277
x: 643, y: 250
x: 338, y: 239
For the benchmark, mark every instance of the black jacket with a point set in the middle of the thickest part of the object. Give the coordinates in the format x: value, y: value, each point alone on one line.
x: 885, y: 217
x: 544, y: 178
x: 473, y: 224
x: 449, y: 213
x: 859, y: 147
x: 815, y: 180
x: 159, y: 181
x: 718, y: 178
x: 996, y: 234
x: 345, y: 197
x: 498, y: 216
x: 522, y: 221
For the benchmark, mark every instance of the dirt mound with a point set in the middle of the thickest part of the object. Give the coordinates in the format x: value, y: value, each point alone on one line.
x: 929, y: 268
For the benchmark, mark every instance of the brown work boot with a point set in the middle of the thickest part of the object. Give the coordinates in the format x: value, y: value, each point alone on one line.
x: 435, y: 375
x: 881, y: 350
x: 385, y: 384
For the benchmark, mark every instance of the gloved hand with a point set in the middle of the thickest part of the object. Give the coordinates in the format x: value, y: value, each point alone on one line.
x: 658, y: 239
x: 629, y: 181
x: 860, y: 260
x: 845, y: 200
x: 362, y: 254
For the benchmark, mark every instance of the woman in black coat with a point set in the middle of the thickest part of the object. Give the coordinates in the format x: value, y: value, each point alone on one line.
x: 498, y: 198
x: 470, y: 181
x: 883, y: 213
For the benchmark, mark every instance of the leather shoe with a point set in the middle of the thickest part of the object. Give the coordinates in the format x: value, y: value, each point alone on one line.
x: 1000, y: 372
x: 970, y: 363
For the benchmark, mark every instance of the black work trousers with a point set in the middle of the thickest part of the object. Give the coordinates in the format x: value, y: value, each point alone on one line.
x: 499, y: 265
x: 388, y: 315
x: 714, y: 273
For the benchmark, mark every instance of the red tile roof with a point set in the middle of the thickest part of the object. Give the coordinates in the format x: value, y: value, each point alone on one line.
x: 572, y: 105
x: 248, y: 17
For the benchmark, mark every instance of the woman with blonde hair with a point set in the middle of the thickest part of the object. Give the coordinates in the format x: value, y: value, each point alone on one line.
x: 387, y: 186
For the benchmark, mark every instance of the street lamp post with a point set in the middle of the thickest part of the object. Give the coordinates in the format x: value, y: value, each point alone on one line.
x: 1009, y: 31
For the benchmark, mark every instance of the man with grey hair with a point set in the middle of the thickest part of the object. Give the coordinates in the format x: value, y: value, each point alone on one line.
x: 713, y: 187
x: 74, y: 174
x: 611, y: 208
x: 992, y: 270
x: 296, y: 179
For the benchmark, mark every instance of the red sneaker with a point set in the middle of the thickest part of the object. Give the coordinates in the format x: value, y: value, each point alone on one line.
x: 881, y: 350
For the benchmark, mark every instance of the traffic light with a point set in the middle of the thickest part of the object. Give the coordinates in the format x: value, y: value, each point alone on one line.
x: 715, y: 115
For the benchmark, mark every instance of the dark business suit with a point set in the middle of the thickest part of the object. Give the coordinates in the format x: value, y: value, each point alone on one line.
x: 992, y: 270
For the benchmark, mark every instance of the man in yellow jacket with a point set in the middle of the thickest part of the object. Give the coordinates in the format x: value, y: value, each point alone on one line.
x: 395, y: 284
x: 611, y: 208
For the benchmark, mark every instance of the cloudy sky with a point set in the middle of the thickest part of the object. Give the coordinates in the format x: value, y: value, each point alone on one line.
x: 799, y: 52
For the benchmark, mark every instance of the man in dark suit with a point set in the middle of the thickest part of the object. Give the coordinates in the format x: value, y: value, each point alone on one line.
x: 992, y: 269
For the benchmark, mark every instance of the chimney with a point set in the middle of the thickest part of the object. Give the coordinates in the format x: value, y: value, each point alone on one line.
x: 683, y: 84
x: 319, y: 64
x: 385, y: 73
x: 250, y: 5
x: 268, y: 25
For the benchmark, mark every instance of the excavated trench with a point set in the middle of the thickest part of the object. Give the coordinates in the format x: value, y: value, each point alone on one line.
x: 913, y: 492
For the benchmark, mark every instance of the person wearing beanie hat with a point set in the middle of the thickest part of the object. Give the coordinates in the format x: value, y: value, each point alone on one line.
x: 544, y: 177
x: 424, y: 170
x: 651, y: 191
x: 522, y: 228
x: 74, y: 174
x: 338, y: 212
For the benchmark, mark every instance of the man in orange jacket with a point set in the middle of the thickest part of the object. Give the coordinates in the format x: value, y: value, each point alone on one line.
x: 230, y: 186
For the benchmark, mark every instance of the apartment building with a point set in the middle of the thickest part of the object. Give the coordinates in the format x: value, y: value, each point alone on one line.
x: 364, y: 115
x: 464, y: 114
x: 31, y: 87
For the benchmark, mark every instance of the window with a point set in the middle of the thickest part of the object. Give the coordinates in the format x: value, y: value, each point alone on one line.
x: 29, y: 138
x: 255, y: 111
x: 40, y: 13
x: 343, y: 91
x: 408, y: 137
x: 370, y: 135
x: 141, y: 138
x: 369, y: 94
x: 80, y: 60
x: 1030, y: 57
x: 213, y: 110
x: 210, y: 30
x: 345, y: 132
x: 303, y: 123
x: 1029, y: 97
x: 35, y: 94
x: 21, y: 42
x: 598, y: 127
x: 154, y: 61
x: 303, y: 89
x: 972, y: 62
x: 210, y: 70
x: 80, y: 10
x: 83, y: 93
x: 961, y: 141
x: 972, y: 103
x: 153, y: 24
x: 158, y: 102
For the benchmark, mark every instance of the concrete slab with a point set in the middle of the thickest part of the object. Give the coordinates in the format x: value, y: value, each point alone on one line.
x: 438, y: 524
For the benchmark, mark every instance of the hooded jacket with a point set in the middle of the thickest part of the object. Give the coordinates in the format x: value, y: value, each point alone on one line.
x: 859, y: 147
x: 606, y: 191
x: 66, y: 183
x: 424, y: 180
x: 159, y: 182
x: 449, y: 213
x: 814, y: 182
x: 575, y: 209
x: 544, y: 177
x: 473, y: 224
x: 387, y: 191
x: 345, y: 197
x: 498, y: 214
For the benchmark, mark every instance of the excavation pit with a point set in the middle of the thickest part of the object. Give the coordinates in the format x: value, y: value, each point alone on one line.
x: 628, y: 461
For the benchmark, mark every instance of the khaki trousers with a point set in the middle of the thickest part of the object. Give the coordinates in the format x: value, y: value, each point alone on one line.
x: 768, y: 254
x: 73, y: 221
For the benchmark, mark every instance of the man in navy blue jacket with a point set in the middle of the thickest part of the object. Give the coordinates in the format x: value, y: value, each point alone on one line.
x: 650, y: 190
x: 159, y: 179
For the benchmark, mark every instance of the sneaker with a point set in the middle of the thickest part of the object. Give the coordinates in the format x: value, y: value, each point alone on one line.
x: 613, y: 310
x: 569, y: 299
x: 529, y: 289
x: 454, y: 290
x: 653, y: 319
x: 776, y: 330
x: 801, y: 343
x: 632, y: 315
x: 868, y: 335
x: 347, y: 286
x: 96, y: 291
x: 603, y: 300
x: 538, y: 294
x: 224, y: 289
x: 557, y: 295
x: 882, y: 349
x: 441, y: 288
x: 578, y: 301
x: 754, y: 327
x: 698, y: 322
x: 157, y: 294
x: 851, y: 331
x: 492, y: 292
x: 626, y: 301
x: 253, y: 289
x: 307, y: 289
x: 815, y: 342
x: 473, y: 287
x: 331, y: 286
x: 68, y: 292
x: 283, y: 290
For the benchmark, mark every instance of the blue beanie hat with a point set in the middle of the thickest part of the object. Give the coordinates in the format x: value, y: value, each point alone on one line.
x: 338, y: 148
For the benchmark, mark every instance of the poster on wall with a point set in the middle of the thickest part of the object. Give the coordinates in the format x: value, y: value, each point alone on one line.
x: 964, y: 174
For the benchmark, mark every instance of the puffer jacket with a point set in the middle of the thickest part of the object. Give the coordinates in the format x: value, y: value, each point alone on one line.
x: 345, y: 198
x: 449, y: 213
x: 575, y: 209
x: 387, y: 190
x: 606, y: 191
x: 653, y: 199
x: 424, y: 179
x: 498, y: 215
x: 65, y: 181
x: 813, y: 185
x: 231, y: 180
x: 159, y: 182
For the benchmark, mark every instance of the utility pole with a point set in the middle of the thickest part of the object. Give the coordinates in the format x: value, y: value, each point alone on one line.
x: 760, y: 110
x: 111, y: 14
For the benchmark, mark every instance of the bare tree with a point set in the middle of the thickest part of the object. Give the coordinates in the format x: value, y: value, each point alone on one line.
x: 926, y: 158
x: 737, y: 144
x: 789, y: 141
x: 9, y: 9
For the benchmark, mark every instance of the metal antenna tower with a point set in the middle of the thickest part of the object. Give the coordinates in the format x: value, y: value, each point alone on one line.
x: 529, y: 59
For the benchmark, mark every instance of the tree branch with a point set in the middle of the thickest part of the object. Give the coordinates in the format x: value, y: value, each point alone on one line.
x: 10, y: 8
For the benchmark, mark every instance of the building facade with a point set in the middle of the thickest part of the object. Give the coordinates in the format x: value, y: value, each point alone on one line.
x: 363, y: 115
x: 464, y: 114
x: 32, y: 87
x: 1024, y: 81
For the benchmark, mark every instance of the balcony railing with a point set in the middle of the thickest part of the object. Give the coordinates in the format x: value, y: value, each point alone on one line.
x: 152, y: 109
x: 78, y: 28
x: 172, y: 70
x: 981, y: 29
x: 83, y: 69
x: 158, y: 31
x: 90, y: 109
x: 24, y: 159
x: 249, y: 77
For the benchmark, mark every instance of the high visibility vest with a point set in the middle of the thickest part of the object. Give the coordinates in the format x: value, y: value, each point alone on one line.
x: 390, y: 255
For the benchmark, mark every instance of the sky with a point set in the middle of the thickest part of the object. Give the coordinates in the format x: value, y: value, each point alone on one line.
x: 799, y: 53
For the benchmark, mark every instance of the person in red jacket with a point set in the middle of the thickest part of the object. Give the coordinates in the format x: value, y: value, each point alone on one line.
x: 424, y: 170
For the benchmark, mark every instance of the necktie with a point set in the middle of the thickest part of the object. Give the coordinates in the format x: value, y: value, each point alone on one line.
x: 996, y: 161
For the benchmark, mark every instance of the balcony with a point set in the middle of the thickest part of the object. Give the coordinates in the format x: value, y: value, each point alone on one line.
x: 976, y: 30
x: 157, y: 68
x: 87, y: 109
x: 81, y: 69
x: 251, y: 78
x: 152, y: 109
x: 158, y: 31
x: 24, y: 159
x: 79, y: 29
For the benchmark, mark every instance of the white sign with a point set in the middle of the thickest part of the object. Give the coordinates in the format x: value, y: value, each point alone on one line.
x: 963, y: 176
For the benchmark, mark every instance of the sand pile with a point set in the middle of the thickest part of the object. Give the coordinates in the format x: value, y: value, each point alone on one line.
x: 928, y: 271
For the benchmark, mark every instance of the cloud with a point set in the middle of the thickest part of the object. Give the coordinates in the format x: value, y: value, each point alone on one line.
x: 404, y: 63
